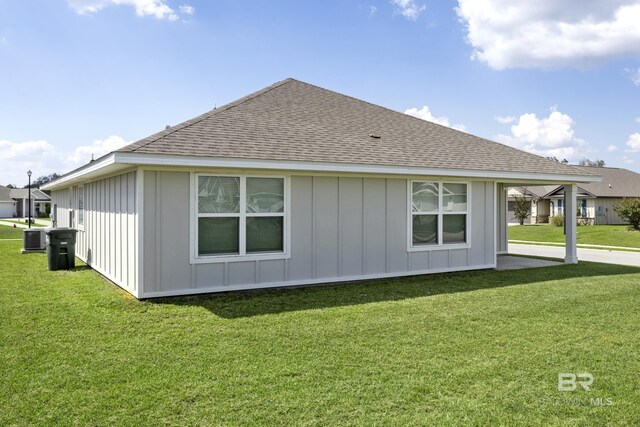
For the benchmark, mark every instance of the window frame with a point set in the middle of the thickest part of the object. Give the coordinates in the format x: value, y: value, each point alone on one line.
x: 71, y: 210
x: 440, y: 213
x: 80, y: 194
x: 242, y: 215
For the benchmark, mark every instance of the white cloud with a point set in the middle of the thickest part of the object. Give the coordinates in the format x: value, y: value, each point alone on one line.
x: 99, y: 147
x: 4, y: 41
x: 42, y: 158
x: 634, y: 75
x: 626, y: 159
x: 25, y: 150
x: 637, y: 119
x: 505, y: 120
x: 16, y: 158
x: 187, y: 9
x: 156, y: 8
x: 372, y: 10
x: 549, y: 136
x: 633, y: 143
x: 425, y: 114
x: 612, y: 148
x: 410, y: 9
x: 550, y: 33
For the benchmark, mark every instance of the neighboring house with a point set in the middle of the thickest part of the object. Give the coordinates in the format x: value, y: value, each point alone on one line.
x: 14, y: 202
x: 539, y: 210
x: 7, y: 204
x: 297, y: 185
x: 596, y: 200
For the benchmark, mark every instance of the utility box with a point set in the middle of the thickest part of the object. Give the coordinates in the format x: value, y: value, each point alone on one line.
x: 61, y: 248
x: 33, y: 240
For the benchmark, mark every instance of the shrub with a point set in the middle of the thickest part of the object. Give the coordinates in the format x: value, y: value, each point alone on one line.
x: 521, y: 209
x: 629, y: 210
x: 557, y: 220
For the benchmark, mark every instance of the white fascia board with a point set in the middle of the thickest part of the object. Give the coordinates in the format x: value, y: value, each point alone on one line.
x: 79, y: 173
x: 102, y: 167
x: 196, y: 161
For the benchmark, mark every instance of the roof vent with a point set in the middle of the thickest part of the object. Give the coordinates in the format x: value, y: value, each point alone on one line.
x: 374, y: 135
x: 167, y: 127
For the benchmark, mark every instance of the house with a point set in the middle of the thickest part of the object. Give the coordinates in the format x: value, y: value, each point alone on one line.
x: 297, y: 185
x: 539, y: 210
x: 14, y: 202
x: 596, y: 200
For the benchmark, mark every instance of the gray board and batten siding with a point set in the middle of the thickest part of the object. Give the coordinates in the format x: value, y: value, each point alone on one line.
x: 341, y: 229
x: 106, y: 238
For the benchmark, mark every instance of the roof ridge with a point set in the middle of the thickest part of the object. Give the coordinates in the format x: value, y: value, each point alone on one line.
x: 164, y: 133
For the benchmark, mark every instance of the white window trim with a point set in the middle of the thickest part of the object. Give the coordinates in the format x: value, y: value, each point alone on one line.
x: 71, y: 212
x: 76, y: 216
x: 440, y: 245
x: 193, y: 223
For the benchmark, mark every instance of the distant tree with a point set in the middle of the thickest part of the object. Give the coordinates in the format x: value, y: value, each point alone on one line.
x: 555, y: 159
x: 629, y: 210
x: 10, y: 186
x: 596, y: 163
x: 521, y: 209
x: 43, y: 180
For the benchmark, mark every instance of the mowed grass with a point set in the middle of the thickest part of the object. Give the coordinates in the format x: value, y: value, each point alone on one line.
x: 607, y: 235
x: 477, y: 348
x: 36, y: 222
x: 7, y: 232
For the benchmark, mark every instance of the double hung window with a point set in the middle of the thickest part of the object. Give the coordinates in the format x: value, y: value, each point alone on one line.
x: 240, y: 215
x: 439, y: 214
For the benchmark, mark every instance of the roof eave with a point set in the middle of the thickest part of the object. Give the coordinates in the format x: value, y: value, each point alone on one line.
x: 115, y: 161
x: 235, y: 163
x: 105, y: 165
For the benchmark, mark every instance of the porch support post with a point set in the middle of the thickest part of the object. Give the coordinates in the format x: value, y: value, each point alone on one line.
x: 570, y: 213
x: 501, y: 219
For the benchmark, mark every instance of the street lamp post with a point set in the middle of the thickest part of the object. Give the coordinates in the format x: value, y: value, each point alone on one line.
x: 29, y: 175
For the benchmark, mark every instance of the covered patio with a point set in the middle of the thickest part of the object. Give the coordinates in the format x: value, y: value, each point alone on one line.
x: 570, y: 226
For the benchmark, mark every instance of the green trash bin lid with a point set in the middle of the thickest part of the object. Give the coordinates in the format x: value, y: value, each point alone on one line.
x: 61, y: 234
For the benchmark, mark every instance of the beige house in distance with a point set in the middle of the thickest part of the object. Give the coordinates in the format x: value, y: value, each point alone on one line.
x: 14, y: 202
x: 596, y: 200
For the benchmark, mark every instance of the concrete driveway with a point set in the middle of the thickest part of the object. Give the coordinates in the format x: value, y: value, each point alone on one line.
x: 594, y: 255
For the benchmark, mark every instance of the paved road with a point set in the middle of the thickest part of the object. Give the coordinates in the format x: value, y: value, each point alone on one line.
x: 595, y: 255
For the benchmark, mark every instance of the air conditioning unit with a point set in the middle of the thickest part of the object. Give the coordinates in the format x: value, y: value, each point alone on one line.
x: 33, y: 240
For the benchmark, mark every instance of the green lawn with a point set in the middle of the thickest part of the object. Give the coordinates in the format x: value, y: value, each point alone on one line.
x: 7, y: 232
x: 478, y: 348
x: 607, y: 235
x: 36, y: 222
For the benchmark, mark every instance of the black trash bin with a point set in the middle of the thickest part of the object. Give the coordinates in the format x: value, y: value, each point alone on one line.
x: 61, y: 248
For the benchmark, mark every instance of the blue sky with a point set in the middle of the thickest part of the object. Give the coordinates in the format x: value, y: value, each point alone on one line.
x: 82, y: 77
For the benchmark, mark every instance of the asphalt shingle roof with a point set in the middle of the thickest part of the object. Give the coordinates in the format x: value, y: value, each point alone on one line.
x: 616, y: 182
x: 5, y: 194
x: 296, y: 121
x: 23, y: 193
x: 11, y: 194
x: 540, y: 190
